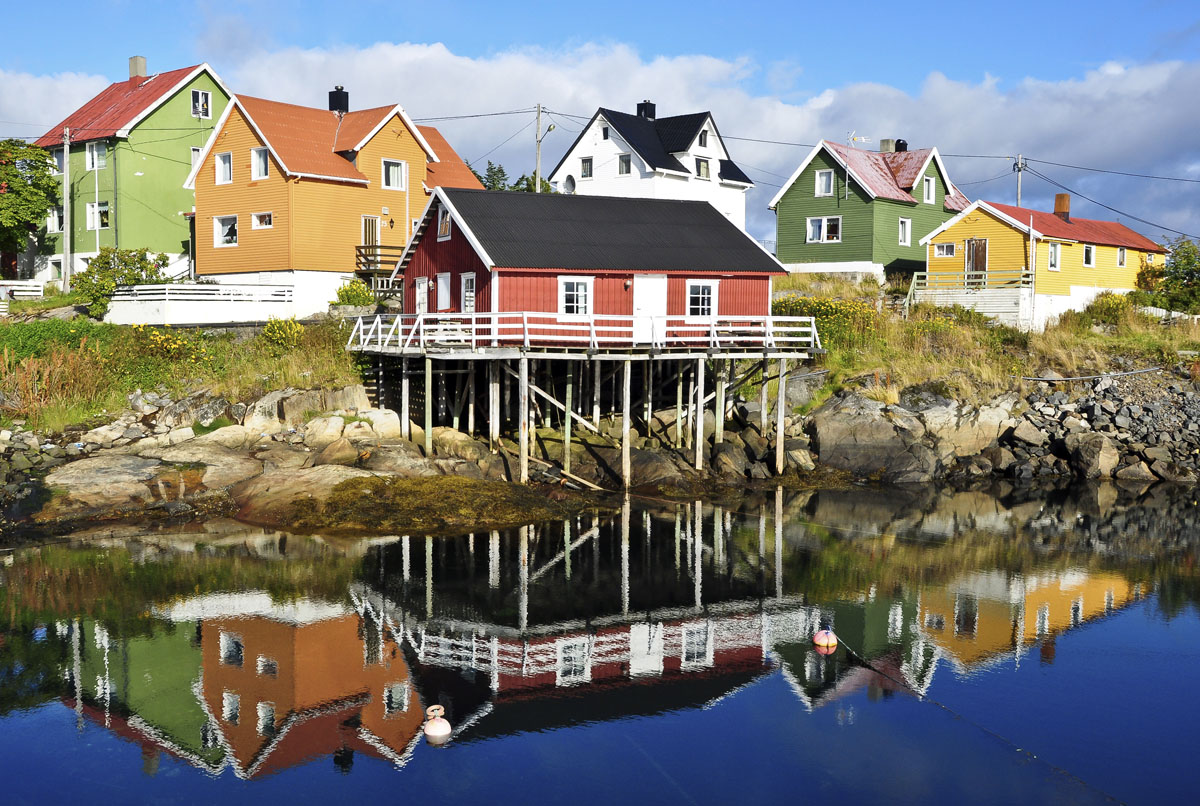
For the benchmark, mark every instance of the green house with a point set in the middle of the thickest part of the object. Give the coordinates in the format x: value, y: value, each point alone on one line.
x: 849, y: 210
x: 131, y: 148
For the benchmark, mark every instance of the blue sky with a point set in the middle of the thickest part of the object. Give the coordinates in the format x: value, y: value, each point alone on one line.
x: 1106, y: 84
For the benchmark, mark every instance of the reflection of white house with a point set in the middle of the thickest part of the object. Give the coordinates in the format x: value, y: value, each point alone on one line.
x: 644, y: 156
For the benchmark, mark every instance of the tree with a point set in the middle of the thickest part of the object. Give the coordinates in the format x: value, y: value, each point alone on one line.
x: 525, y: 184
x: 1175, y: 284
x: 27, y: 192
x: 496, y: 177
x: 116, y: 267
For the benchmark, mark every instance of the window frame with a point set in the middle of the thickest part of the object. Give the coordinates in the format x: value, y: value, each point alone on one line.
x: 225, y: 157
x: 383, y: 176
x: 714, y: 290
x: 585, y: 167
x: 824, y: 228
x: 54, y: 217
x: 702, y: 169
x: 56, y: 161
x: 445, y: 221
x: 396, y: 699
x: 465, y: 279
x: 264, y: 713
x: 688, y: 659
x: 254, y: 220
x: 904, y: 235
x: 929, y: 189
x: 817, y: 192
x: 1053, y: 256
x: 196, y: 152
x: 624, y: 164
x: 225, y: 642
x: 1089, y: 256
x: 90, y: 160
x: 603, y: 132
x: 255, y: 155
x: 202, y: 110
x: 266, y: 667
x: 589, y: 300
x: 216, y: 231
x: 93, y: 212
x: 702, y: 140
x: 1121, y: 257
x: 953, y: 250
x: 442, y: 281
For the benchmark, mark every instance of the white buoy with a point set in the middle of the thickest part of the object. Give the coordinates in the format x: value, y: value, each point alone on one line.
x: 437, y: 729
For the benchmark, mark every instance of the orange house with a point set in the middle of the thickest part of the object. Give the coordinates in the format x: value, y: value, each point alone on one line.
x: 286, y: 194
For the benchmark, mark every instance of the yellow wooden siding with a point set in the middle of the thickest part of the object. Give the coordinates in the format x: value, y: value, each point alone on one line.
x: 1105, y: 274
x: 257, y: 250
x: 1006, y: 247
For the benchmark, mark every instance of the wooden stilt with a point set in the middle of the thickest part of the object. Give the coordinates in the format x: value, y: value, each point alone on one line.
x: 762, y: 403
x: 566, y: 462
x: 699, y: 424
x: 596, y: 387
x: 690, y: 416
x: 471, y: 397
x: 508, y: 410
x: 722, y: 371
x: 441, y: 385
x: 625, y: 466
x: 647, y: 394
x: 625, y: 538
x: 678, y: 403
x: 405, y: 414
x: 779, y: 542
x: 428, y: 407
x: 780, y: 410
x: 379, y: 383
x: 456, y: 409
x: 493, y: 405
x: 523, y: 418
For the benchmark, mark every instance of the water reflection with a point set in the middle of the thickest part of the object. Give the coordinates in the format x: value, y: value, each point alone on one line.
x: 254, y: 652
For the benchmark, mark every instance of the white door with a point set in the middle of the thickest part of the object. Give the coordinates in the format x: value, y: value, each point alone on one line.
x: 649, y: 303
x: 422, y: 295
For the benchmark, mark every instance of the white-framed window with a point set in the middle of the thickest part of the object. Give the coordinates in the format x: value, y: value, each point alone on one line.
x: 585, y: 168
x: 930, y: 190
x: 54, y: 221
x: 444, y: 226
x: 906, y: 232
x: 704, y: 138
x: 1150, y: 259
x: 260, y: 163
x: 421, y: 295
x: 1089, y: 256
x: 701, y: 168
x: 702, y: 298
x: 231, y: 707
x: 224, y: 168
x: 416, y: 223
x: 97, y: 215
x: 395, y: 698
x: 603, y: 132
x: 443, y: 291
x: 624, y: 163
x: 233, y: 651
x: 825, y: 230
x: 1120, y: 257
x: 697, y: 646
x: 196, y: 152
x: 575, y: 296
x: 96, y: 158
x: 262, y: 221
x: 56, y: 160
x: 225, y: 231
x: 395, y: 175
x: 574, y: 661
x: 267, y: 667
x: 468, y: 293
x: 1054, y: 256
x: 266, y: 719
x: 943, y: 250
x: 201, y: 104
x: 824, y: 183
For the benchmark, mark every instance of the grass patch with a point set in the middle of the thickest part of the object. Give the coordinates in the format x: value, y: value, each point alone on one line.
x: 53, y: 299
x: 215, y: 425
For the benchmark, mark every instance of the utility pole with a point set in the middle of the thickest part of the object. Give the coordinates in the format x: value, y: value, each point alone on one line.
x: 1019, y: 167
x: 66, y: 216
x: 537, y: 167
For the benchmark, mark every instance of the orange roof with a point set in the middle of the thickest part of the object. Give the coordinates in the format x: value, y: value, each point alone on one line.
x: 116, y: 107
x: 1083, y: 230
x: 451, y: 172
x: 358, y: 124
x: 302, y: 138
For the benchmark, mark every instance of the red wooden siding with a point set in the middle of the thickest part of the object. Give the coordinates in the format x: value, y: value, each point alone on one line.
x: 537, y: 290
x: 455, y: 256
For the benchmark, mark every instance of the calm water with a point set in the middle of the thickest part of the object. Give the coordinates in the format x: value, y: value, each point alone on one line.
x: 996, y: 647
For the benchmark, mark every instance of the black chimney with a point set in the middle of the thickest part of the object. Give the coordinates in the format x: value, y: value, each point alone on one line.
x: 339, y: 100
x: 645, y: 110
x: 902, y: 145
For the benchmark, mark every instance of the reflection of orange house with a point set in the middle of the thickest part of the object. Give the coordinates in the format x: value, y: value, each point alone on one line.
x: 301, y: 681
x: 988, y: 614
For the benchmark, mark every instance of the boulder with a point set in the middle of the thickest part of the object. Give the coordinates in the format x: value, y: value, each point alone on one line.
x: 1093, y: 455
x: 271, y: 497
x: 866, y: 437
x: 447, y: 442
x: 358, y: 431
x: 322, y: 431
x: 296, y: 408
x: 1030, y: 434
x: 233, y: 437
x: 223, y: 467
x: 729, y: 460
x: 1001, y: 458
x: 99, y: 483
x: 338, y: 452
x: 756, y: 447
x: 282, y: 457
x: 457, y: 467
x: 651, y: 467
x: 402, y: 459
x: 960, y: 431
x: 385, y: 422
x: 796, y: 455
x: 352, y: 398
x: 262, y: 416
x: 1170, y: 471
x: 1135, y: 472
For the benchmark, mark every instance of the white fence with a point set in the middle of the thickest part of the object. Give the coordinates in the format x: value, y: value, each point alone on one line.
x: 418, y: 332
x: 199, y: 304
x: 20, y: 289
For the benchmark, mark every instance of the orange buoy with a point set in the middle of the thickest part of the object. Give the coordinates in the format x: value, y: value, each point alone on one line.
x: 437, y: 729
x: 826, y: 642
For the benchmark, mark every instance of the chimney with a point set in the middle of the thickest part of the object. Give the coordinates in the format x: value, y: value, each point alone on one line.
x: 339, y: 100
x: 902, y: 145
x: 887, y: 145
x: 1062, y: 206
x: 137, y: 66
x: 645, y: 110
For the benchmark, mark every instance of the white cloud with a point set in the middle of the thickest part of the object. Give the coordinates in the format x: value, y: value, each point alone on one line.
x: 30, y: 105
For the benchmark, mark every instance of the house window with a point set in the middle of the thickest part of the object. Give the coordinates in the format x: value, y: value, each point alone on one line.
x: 575, y: 296
x: 225, y: 231
x: 573, y: 661
x: 54, y: 221
x: 97, y: 156
x: 905, y: 231
x: 1149, y: 260
x: 421, y: 293
x: 1054, y: 259
x: 702, y: 168
x: 1089, y: 256
x: 468, y: 293
x: 824, y: 183
x: 603, y: 132
x: 230, y: 707
x: 825, y: 230
x: 624, y: 162
x: 196, y: 152
x: 703, y: 138
x: 224, y: 168
x: 97, y: 215
x: 943, y: 250
x: 930, y: 193
x: 695, y: 645
x: 232, y: 649
x: 585, y: 168
x: 201, y: 104
x: 56, y: 161
x: 443, y: 291
x: 395, y: 698
x: 702, y: 298
x: 266, y: 719
x: 394, y: 175
x: 267, y: 667
x: 260, y: 165
x: 1120, y: 257
x: 443, y: 224
x: 262, y: 221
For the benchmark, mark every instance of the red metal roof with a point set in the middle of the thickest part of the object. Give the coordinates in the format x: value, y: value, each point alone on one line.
x: 115, y: 107
x: 890, y: 175
x: 451, y: 171
x: 1083, y: 230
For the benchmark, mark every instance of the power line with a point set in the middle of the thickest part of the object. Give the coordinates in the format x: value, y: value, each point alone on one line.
x: 511, y: 136
x: 1118, y: 173
x: 982, y: 181
x: 1061, y: 186
x: 477, y: 115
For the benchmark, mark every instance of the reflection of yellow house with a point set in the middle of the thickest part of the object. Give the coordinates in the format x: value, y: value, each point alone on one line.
x: 988, y: 614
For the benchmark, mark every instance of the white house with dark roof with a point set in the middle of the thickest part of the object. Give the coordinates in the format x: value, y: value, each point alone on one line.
x: 644, y: 156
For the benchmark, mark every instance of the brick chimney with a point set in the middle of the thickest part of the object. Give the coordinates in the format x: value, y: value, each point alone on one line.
x: 887, y: 145
x: 1062, y: 206
x: 137, y: 66
x: 645, y: 110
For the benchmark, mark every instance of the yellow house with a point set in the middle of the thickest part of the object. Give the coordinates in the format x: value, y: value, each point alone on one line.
x: 290, y: 195
x: 1026, y: 267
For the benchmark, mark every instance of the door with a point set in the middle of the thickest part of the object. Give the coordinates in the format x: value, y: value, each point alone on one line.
x: 649, y: 304
x: 421, y: 295
x: 370, y: 234
x: 976, y: 262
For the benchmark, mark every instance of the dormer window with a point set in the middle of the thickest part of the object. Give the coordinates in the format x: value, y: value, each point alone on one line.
x: 443, y: 224
x: 929, y: 190
x: 201, y: 104
x: 701, y: 168
x: 585, y: 168
x: 704, y: 138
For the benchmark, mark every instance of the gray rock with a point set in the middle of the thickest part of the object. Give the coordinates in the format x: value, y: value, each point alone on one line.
x: 729, y: 460
x: 1029, y: 433
x: 865, y: 437
x: 797, y: 457
x: 296, y: 408
x: 262, y: 416
x: 1170, y: 471
x: 223, y: 467
x: 359, y: 431
x: 385, y: 422
x: 338, y: 452
x: 1135, y: 472
x: 402, y: 459
x: 322, y: 431
x: 351, y: 398
x: 449, y: 443
x: 1093, y: 455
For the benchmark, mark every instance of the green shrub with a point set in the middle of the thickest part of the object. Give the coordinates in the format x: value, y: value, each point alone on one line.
x: 840, y: 322
x: 283, y: 334
x: 1109, y: 308
x: 117, y: 267
x: 355, y: 292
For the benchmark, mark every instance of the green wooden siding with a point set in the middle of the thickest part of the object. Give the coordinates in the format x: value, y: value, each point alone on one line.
x: 801, y: 203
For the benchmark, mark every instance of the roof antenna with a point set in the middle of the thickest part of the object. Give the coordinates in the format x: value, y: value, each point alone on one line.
x: 851, y: 139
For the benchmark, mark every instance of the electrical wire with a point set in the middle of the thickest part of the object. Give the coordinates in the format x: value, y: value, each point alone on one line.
x: 1061, y: 186
x: 1118, y: 173
x: 981, y: 181
x: 506, y: 139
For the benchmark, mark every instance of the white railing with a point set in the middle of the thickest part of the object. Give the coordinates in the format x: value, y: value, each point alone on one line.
x: 200, y: 292
x: 418, y: 332
x: 3, y: 307
x: 199, y: 304
x: 21, y: 289
x: 958, y: 281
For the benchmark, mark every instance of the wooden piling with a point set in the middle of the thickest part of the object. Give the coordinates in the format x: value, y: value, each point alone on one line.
x: 566, y: 462
x: 597, y: 385
x: 428, y: 407
x: 722, y: 371
x: 523, y: 418
x: 470, y: 397
x: 699, y: 423
x: 780, y: 410
x: 678, y: 403
x: 405, y: 414
x: 762, y: 403
x: 625, y: 461
x: 493, y: 405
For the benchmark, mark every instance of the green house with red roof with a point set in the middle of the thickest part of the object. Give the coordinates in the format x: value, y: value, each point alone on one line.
x: 131, y: 148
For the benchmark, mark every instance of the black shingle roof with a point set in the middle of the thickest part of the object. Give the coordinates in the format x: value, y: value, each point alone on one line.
x: 643, y: 137
x: 730, y: 172
x: 559, y: 231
